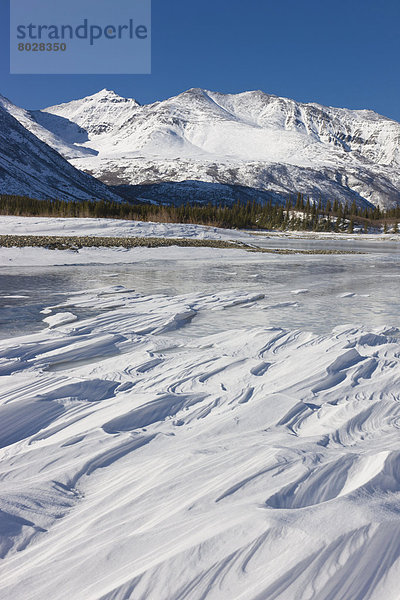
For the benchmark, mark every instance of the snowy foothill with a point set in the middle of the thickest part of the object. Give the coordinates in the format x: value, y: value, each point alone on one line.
x: 139, y: 462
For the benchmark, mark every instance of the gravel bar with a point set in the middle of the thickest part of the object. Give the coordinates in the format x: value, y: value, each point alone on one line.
x: 77, y: 242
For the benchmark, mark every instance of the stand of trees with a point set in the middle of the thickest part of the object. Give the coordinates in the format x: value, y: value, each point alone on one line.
x: 299, y: 215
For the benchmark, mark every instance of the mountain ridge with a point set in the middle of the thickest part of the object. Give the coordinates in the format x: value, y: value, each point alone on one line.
x: 262, y: 142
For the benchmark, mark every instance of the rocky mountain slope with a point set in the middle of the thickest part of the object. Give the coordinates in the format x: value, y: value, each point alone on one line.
x: 30, y: 167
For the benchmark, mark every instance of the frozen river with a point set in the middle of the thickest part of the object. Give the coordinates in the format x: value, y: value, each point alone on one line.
x: 361, y: 289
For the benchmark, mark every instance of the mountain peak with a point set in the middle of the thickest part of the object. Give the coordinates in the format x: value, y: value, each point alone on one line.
x: 106, y: 95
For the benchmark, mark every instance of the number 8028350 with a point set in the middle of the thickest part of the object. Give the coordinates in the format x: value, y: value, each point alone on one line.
x: 42, y: 47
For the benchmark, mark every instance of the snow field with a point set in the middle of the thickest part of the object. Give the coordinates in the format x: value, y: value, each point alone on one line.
x: 113, y: 228
x: 248, y: 464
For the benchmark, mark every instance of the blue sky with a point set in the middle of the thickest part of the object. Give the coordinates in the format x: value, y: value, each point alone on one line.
x: 342, y: 53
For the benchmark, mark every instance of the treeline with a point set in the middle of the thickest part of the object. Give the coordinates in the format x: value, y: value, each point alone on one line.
x: 337, y: 209
x: 299, y: 215
x: 338, y: 217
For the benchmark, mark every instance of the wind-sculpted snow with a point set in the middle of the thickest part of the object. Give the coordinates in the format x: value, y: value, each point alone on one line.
x: 138, y: 461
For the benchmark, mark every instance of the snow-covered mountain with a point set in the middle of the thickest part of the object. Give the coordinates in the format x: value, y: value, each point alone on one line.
x: 33, y: 168
x: 255, y: 140
x: 203, y: 145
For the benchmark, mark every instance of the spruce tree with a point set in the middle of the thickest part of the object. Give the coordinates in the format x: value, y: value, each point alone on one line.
x: 350, y: 228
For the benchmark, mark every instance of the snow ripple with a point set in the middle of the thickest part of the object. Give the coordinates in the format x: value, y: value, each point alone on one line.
x: 136, y: 463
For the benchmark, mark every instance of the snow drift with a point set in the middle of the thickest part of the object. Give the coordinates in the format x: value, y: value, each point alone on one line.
x: 139, y: 462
